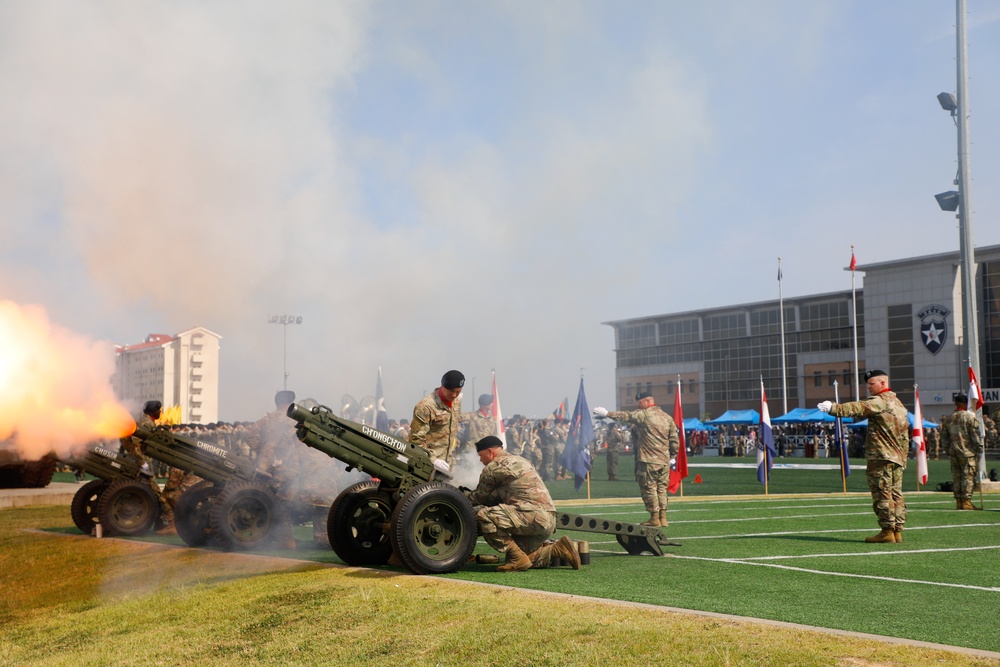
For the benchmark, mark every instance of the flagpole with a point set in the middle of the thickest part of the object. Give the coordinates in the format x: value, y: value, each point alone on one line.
x: 840, y: 444
x: 784, y: 370
x: 854, y: 308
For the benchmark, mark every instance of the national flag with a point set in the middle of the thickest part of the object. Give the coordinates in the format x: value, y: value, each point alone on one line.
x: 976, y: 404
x: 680, y: 470
x: 765, y: 440
x: 840, y: 435
x: 576, y: 455
x: 497, y: 415
x: 381, y: 416
x: 918, y: 438
x: 854, y: 262
x: 560, y: 411
x: 779, y: 273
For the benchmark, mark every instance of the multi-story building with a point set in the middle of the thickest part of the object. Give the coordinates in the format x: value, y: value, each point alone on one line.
x: 180, y: 370
x: 909, y: 323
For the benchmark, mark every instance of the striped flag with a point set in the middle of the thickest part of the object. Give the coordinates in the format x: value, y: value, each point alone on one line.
x: 918, y: 438
x: 976, y: 404
x: 765, y: 440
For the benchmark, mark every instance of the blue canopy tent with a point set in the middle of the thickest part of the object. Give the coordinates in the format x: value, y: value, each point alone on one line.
x: 694, y: 424
x: 736, y: 417
x: 806, y: 415
x: 909, y: 415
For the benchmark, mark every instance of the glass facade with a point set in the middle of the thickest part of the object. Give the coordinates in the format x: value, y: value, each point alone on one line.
x: 990, y: 315
x: 900, y: 324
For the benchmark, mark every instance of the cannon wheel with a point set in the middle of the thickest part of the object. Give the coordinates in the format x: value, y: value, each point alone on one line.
x: 634, y: 544
x: 83, y: 509
x: 356, y: 525
x: 244, y: 516
x: 128, y: 507
x: 433, y: 529
x: 192, y: 514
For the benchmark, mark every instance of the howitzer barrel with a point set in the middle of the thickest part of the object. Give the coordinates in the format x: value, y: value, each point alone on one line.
x: 205, y: 459
x: 378, y: 454
x: 106, y: 463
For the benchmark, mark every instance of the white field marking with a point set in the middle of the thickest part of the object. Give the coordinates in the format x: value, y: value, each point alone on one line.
x: 840, y: 574
x: 776, y: 466
x: 867, y: 553
x: 775, y: 518
x: 673, y: 510
x: 832, y: 530
x: 750, y: 504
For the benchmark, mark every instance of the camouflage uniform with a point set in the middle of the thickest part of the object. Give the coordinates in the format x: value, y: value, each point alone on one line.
x: 658, y: 442
x: 133, y: 446
x: 960, y: 436
x: 515, y: 438
x: 548, y: 441
x: 272, y: 441
x: 478, y: 426
x: 435, y: 426
x: 934, y: 436
x: 887, y: 443
x: 513, y: 506
x: 613, y: 438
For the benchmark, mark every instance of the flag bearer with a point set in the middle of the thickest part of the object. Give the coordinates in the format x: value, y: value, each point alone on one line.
x: 963, y: 442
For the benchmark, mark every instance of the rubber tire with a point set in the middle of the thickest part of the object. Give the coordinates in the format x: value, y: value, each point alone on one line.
x: 38, y: 474
x: 83, y: 509
x: 433, y: 529
x: 355, y: 525
x: 128, y: 508
x: 245, y: 516
x: 634, y: 545
x: 192, y: 515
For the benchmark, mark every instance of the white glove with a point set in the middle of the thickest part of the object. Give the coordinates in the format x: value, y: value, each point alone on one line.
x: 825, y: 406
x: 145, y: 470
x: 442, y: 466
x: 673, y: 464
x: 600, y: 412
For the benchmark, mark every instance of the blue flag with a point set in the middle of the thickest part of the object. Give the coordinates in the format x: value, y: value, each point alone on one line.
x: 842, y: 446
x: 765, y: 440
x: 576, y: 455
x: 381, y: 416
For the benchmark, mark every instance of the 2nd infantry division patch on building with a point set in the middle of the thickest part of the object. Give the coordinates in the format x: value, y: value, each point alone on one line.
x: 934, y: 327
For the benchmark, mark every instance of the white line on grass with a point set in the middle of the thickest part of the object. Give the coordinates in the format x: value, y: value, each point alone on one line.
x: 817, y: 532
x: 867, y: 553
x: 990, y: 589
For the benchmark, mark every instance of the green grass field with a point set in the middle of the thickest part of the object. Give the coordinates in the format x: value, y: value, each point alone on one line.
x: 787, y: 557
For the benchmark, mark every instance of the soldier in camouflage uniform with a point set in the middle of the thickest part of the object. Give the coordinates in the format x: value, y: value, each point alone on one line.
x: 961, y: 438
x: 548, y: 440
x: 178, y: 481
x: 479, y: 424
x: 613, y: 439
x: 515, y: 435
x: 887, y: 443
x: 272, y: 443
x: 151, y: 411
x: 436, y: 418
x: 515, y: 512
x: 658, y: 444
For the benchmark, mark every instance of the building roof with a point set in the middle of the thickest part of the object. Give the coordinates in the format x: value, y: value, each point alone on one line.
x: 923, y: 259
x: 160, y: 340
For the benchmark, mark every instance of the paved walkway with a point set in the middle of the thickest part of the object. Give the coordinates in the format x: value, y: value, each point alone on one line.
x: 56, y: 493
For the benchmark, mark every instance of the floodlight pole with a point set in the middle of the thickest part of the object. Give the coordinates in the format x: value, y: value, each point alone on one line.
x: 284, y: 321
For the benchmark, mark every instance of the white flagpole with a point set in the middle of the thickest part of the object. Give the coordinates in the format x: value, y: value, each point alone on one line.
x: 854, y: 307
x: 784, y: 371
x: 840, y: 444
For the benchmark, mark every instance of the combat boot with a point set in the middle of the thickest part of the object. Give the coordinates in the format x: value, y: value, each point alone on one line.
x: 958, y: 504
x: 566, y: 549
x: 654, y: 520
x: 966, y: 504
x: 887, y: 535
x: 515, y: 560
x: 898, y: 534
x: 663, y: 518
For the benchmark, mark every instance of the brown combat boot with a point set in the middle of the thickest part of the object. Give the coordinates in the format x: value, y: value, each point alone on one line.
x: 566, y: 549
x: 663, y: 518
x: 958, y: 504
x: 966, y: 504
x: 887, y: 535
x: 897, y: 533
x: 515, y: 560
x: 654, y: 520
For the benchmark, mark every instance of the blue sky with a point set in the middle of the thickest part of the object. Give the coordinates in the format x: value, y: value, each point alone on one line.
x: 471, y: 185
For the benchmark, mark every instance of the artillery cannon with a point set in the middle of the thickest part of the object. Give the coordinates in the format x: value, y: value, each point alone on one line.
x: 411, y: 507
x: 235, y: 506
x: 121, y: 499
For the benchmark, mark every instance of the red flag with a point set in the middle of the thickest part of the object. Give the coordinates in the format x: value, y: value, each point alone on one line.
x: 497, y: 416
x: 680, y: 470
x: 854, y: 262
x: 976, y: 404
x: 974, y: 392
x: 918, y: 438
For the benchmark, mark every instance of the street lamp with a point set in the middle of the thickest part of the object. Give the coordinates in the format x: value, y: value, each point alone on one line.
x: 284, y: 321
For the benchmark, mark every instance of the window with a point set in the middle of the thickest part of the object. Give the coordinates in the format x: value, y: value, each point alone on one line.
x: 817, y: 379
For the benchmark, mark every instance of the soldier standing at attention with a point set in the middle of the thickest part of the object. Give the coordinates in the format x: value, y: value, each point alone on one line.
x: 480, y: 423
x: 436, y: 417
x: 962, y: 440
x: 887, y: 443
x: 613, y: 438
x: 657, y: 446
x: 515, y: 512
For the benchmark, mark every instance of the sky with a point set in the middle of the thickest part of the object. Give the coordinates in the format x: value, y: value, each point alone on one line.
x: 476, y: 186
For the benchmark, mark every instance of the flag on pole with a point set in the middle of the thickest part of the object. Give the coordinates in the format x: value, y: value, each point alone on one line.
x: 576, y: 454
x: 560, y: 411
x: 976, y: 404
x: 680, y: 469
x: 765, y: 440
x: 918, y: 438
x: 381, y: 416
x: 854, y: 262
x: 497, y: 415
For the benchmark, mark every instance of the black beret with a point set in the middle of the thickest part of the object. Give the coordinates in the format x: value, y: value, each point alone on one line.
x: 453, y: 380
x: 959, y: 397
x: 488, y: 442
x: 284, y: 397
x: 152, y: 406
x: 874, y: 374
x: 643, y: 394
x: 486, y: 399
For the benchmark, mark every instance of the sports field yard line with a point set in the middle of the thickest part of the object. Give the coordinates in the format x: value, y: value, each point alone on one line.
x: 870, y: 553
x: 736, y: 561
x: 830, y: 530
x: 771, y: 518
x: 682, y: 506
